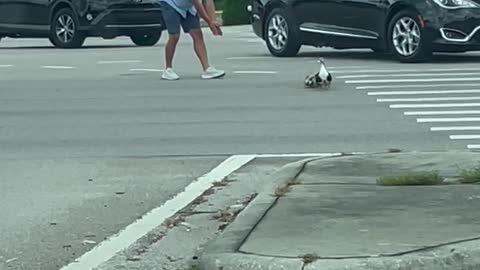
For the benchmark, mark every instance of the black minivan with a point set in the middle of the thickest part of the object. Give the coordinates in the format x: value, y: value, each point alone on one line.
x: 67, y: 23
x: 409, y: 29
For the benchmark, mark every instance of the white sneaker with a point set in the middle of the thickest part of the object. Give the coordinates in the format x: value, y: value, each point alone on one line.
x: 170, y: 75
x: 213, y: 73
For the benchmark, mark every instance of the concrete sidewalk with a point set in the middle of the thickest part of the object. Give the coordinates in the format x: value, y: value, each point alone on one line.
x: 330, y: 214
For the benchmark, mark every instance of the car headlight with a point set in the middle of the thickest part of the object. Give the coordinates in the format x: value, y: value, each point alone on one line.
x: 453, y: 4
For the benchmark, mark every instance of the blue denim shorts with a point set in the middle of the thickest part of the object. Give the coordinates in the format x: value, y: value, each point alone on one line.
x: 173, y: 20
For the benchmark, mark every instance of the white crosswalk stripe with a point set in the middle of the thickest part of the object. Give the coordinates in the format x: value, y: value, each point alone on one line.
x: 458, y: 128
x: 445, y: 120
x: 395, y: 93
x: 441, y: 112
x: 464, y: 137
x: 434, y: 105
x: 406, y: 75
x: 423, y: 86
x: 393, y: 80
x: 426, y: 99
x: 379, y: 71
x: 432, y: 96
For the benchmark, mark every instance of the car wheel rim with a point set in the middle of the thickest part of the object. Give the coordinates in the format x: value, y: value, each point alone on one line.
x: 65, y: 28
x: 406, y: 36
x: 277, y: 32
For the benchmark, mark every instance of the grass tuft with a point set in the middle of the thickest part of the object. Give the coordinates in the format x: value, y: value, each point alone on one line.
x: 281, y: 191
x: 411, y: 179
x: 309, y: 258
x: 470, y: 176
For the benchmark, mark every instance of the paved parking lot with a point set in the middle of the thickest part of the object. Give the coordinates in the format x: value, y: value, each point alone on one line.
x: 261, y: 92
x: 106, y: 102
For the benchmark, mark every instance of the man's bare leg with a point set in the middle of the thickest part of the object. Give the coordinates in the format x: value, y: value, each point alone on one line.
x: 170, y: 49
x: 168, y: 73
x: 200, y: 47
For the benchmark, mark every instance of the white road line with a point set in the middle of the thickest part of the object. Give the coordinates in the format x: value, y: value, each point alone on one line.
x: 425, y: 99
x: 453, y: 79
x: 255, y: 72
x: 146, y: 70
x: 446, y: 120
x: 119, y: 62
x: 108, y: 248
x: 339, y: 69
x: 406, y: 86
x: 410, y: 70
x: 440, y: 112
x: 249, y: 40
x: 249, y: 58
x: 393, y: 93
x: 407, y: 75
x: 455, y: 128
x: 464, y: 137
x: 58, y: 67
x: 440, y: 105
x: 302, y: 155
x: 248, y: 34
x: 473, y: 146
x: 262, y: 58
x: 5, y: 66
x: 231, y: 31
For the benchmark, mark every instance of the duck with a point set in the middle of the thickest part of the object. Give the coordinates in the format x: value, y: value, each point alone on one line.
x: 322, y: 79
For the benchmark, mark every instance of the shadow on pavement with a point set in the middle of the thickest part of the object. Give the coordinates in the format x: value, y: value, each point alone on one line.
x: 385, y: 57
x: 367, y: 55
x: 352, y: 55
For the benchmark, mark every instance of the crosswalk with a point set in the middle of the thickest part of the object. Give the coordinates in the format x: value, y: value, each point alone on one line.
x: 446, y: 99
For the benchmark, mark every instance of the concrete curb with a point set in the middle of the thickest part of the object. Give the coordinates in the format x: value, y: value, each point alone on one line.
x: 223, y: 252
x: 236, y: 233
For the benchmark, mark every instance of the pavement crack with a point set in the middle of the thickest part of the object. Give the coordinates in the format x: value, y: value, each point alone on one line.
x: 367, y: 256
x: 336, y: 183
x: 191, y: 213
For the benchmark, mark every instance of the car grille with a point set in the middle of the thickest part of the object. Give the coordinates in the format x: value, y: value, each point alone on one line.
x: 465, y: 26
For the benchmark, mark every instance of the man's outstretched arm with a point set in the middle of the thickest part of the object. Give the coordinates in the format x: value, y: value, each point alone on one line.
x: 210, y: 8
x: 207, y: 13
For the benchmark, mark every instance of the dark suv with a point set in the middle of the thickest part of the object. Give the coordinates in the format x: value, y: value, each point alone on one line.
x: 409, y: 29
x: 67, y: 23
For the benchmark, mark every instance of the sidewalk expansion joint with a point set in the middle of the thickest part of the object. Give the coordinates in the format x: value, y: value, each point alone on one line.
x: 367, y: 256
x: 335, y: 183
x: 192, y: 213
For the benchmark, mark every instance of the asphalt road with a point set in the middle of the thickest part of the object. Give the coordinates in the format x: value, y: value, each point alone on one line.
x: 102, y: 112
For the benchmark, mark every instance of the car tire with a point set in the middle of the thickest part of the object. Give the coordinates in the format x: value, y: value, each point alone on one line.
x: 282, y: 34
x: 146, y: 39
x: 407, y: 40
x: 66, y: 20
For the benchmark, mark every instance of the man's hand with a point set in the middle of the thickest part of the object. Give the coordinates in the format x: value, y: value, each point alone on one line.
x: 208, y: 14
x: 210, y: 10
x: 215, y: 28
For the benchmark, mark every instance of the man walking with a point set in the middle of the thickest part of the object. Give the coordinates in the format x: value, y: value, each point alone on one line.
x: 185, y: 13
